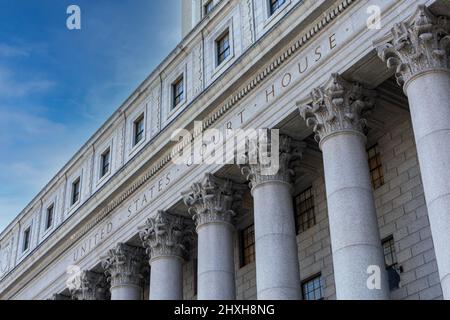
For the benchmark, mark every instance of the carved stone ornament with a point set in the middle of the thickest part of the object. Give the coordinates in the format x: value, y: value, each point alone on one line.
x: 289, y: 153
x: 339, y: 106
x: 166, y: 234
x: 89, y: 286
x: 417, y: 45
x: 213, y: 200
x: 123, y: 265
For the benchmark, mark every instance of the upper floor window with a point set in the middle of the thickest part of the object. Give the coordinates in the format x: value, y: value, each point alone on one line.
x: 76, y: 191
x: 178, y: 92
x: 105, y: 162
x: 26, y: 239
x: 312, y: 288
x: 208, y: 7
x: 375, y: 166
x: 223, y: 47
x: 274, y: 5
x: 248, y: 245
x: 50, y: 217
x: 305, y: 217
x: 138, y: 130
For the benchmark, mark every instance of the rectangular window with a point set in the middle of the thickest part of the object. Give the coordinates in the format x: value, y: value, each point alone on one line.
x: 248, y: 245
x: 312, y: 288
x: 389, y: 252
x: 138, y: 130
x: 26, y: 239
x: 305, y: 217
x: 105, y: 163
x: 275, y: 5
x: 390, y: 259
x: 375, y: 166
x: 208, y: 7
x: 178, y: 92
x: 223, y: 47
x: 76, y: 191
x: 50, y: 216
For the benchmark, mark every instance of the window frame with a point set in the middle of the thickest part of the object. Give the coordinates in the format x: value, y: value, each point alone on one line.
x: 243, y: 246
x: 26, y: 240
x: 309, y: 280
x: 217, y: 45
x: 298, y: 215
x: 273, y: 10
x: 178, y: 83
x: 76, y: 186
x: 378, y: 168
x: 50, y: 211
x: 138, y: 134
x: 104, y: 173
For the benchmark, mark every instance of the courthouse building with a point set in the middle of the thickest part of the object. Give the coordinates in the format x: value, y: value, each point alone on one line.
x: 360, y: 208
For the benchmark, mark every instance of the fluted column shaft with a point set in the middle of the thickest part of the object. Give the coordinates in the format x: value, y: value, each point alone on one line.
x: 335, y: 114
x: 420, y: 52
x: 166, y: 237
x: 277, y: 266
x: 210, y: 203
x: 123, y: 265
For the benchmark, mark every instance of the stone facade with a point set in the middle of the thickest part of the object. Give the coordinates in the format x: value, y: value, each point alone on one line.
x: 310, y: 69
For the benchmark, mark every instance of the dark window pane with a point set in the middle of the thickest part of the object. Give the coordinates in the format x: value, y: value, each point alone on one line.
x: 138, y: 130
x: 275, y: 4
x: 75, y: 191
x: 26, y: 239
x: 105, y: 163
x: 50, y: 214
x: 305, y: 217
x: 223, y: 48
x: 375, y: 166
x: 178, y: 92
x: 248, y: 245
x: 312, y: 289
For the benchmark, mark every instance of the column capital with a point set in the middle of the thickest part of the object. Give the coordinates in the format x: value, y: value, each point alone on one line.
x: 123, y: 265
x: 88, y: 285
x: 338, y: 106
x: 289, y: 152
x: 212, y: 200
x: 166, y: 234
x: 417, y: 45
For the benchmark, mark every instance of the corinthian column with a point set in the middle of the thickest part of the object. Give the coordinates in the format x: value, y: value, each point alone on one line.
x: 166, y: 238
x: 336, y: 115
x: 418, y: 49
x: 210, y: 203
x: 88, y: 285
x: 123, y: 265
x: 277, y: 267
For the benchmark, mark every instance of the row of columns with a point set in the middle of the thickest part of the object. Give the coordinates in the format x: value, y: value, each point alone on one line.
x: 419, y: 50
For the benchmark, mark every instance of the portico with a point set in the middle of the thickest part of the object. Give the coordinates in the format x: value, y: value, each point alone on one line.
x: 319, y: 227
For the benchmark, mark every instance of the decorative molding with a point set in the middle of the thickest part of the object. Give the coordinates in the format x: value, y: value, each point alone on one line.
x: 420, y: 44
x: 338, y: 106
x: 166, y: 235
x: 290, y: 152
x: 89, y: 285
x: 123, y: 265
x: 212, y: 200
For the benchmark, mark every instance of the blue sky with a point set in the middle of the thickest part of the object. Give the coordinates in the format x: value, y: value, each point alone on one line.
x: 57, y: 87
